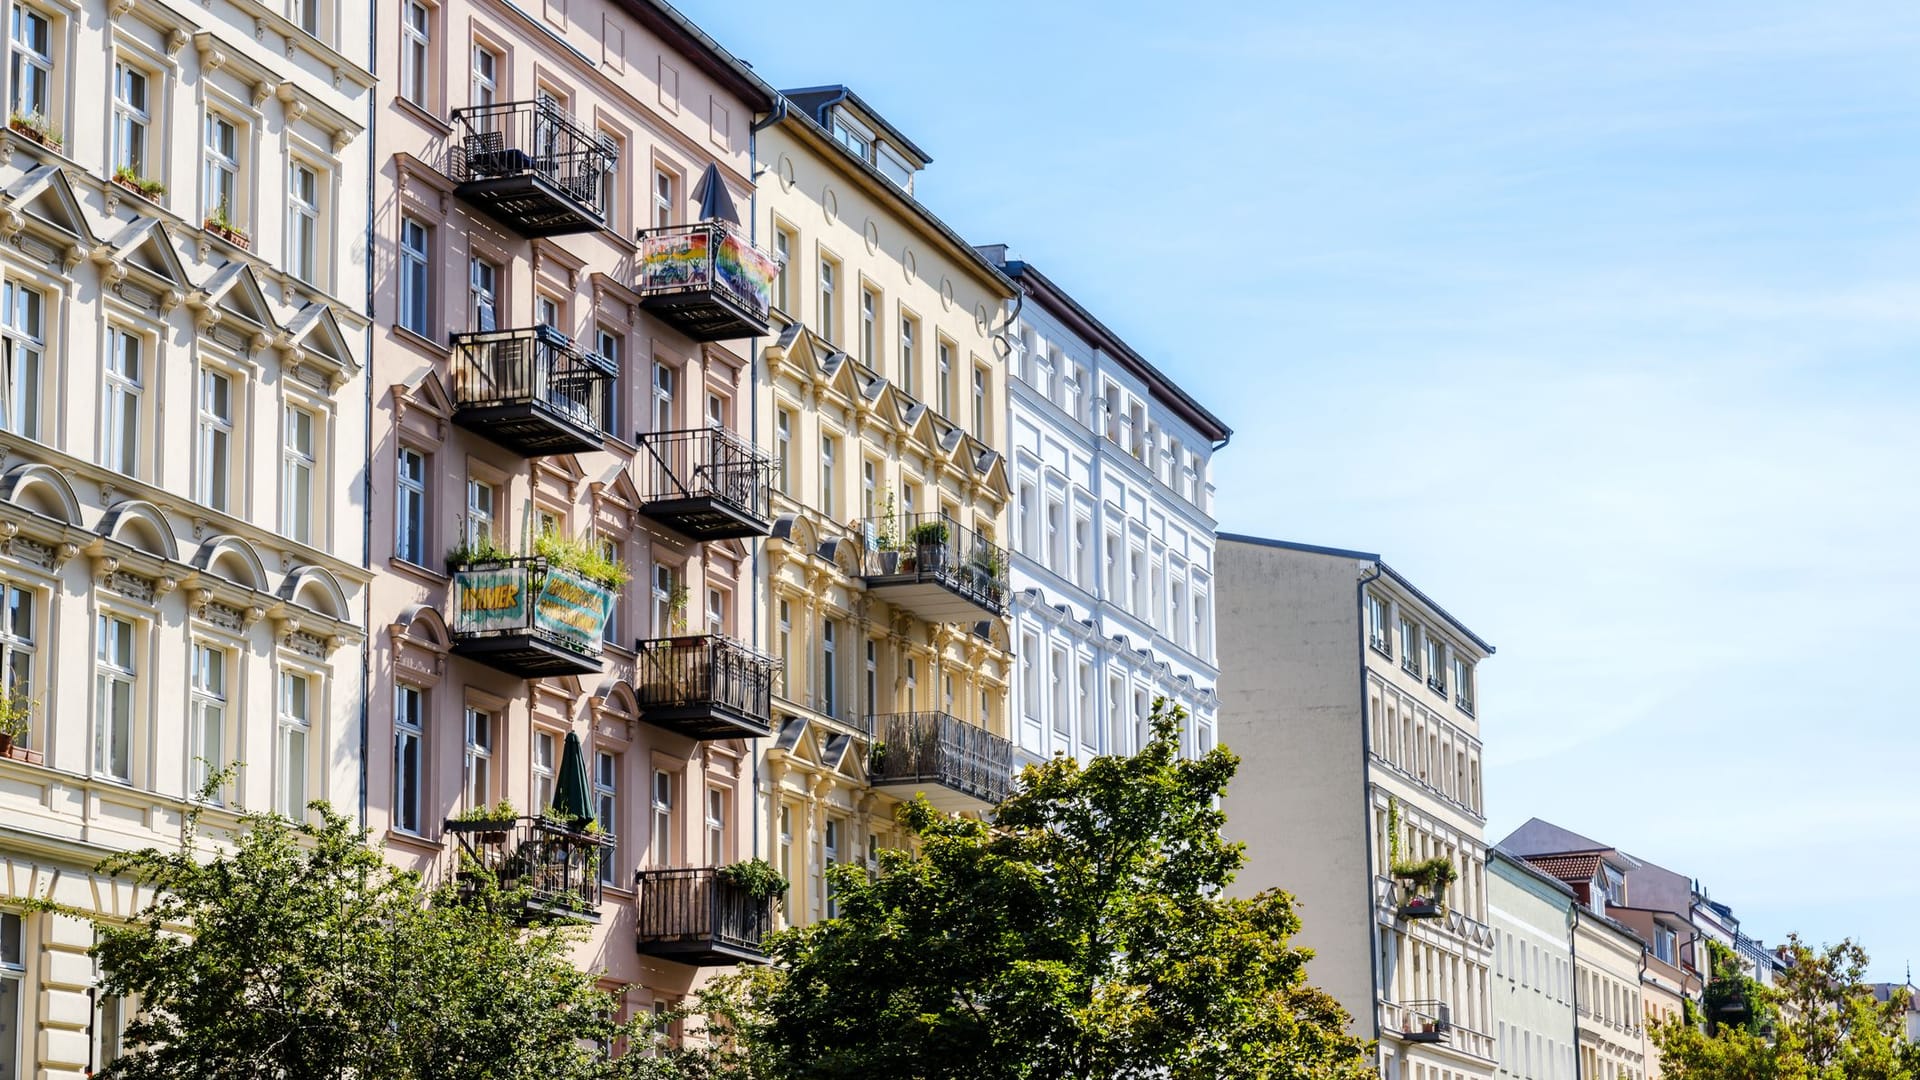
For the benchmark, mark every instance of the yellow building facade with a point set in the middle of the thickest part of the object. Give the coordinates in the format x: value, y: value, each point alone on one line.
x: 883, y: 591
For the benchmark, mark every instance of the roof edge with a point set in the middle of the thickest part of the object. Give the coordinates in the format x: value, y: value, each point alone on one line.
x: 732, y: 72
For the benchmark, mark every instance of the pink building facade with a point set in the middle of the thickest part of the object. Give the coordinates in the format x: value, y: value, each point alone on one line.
x: 562, y: 323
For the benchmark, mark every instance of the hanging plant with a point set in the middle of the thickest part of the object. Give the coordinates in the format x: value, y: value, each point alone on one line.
x: 756, y: 877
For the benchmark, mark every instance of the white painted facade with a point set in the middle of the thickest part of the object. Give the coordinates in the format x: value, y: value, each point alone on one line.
x: 1533, y: 1009
x: 1112, y: 548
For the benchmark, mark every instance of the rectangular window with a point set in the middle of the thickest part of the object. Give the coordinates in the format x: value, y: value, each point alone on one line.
x: 17, y: 647
x: 785, y: 643
x: 783, y: 245
x: 23, y: 337
x: 666, y: 381
x: 716, y: 827
x: 943, y: 379
x: 606, y: 809
x: 216, y: 438
x: 483, y: 294
x: 113, y: 690
x: 298, y: 462
x: 31, y: 68
x: 829, y: 453
x: 1436, y: 664
x: 1057, y: 696
x: 869, y: 328
x: 980, y: 404
x: 783, y: 451
x: 480, y: 503
x: 829, y: 274
x: 208, y: 733
x: 1377, y: 624
x: 485, y: 88
x: 120, y: 426
x: 410, y: 540
x: 543, y: 758
x: 611, y: 347
x: 409, y: 733
x: 13, y: 972
x: 222, y: 190
x: 1463, y: 683
x: 414, y: 280
x: 660, y: 834
x: 416, y: 51
x: 1409, y: 646
x: 303, y: 223
x: 909, y: 331
x: 829, y: 663
x: 664, y: 198
x: 132, y: 116
x: 306, y: 15
x: 477, y: 762
x: 869, y: 490
x: 830, y: 843
x: 296, y: 728
x: 872, y: 701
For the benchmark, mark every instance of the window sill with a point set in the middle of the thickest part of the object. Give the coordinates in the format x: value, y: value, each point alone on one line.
x: 422, y: 114
x: 418, y: 572
x: 412, y: 842
x: 421, y: 341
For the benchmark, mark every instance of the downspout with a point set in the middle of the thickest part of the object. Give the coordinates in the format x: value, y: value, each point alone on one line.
x: 1573, y: 961
x: 366, y: 483
x: 774, y: 116
x: 1366, y: 793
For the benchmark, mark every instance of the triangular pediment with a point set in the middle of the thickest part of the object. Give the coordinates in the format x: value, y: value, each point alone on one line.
x: 145, y: 245
x: 564, y: 468
x: 620, y: 492
x: 234, y: 293
x: 991, y: 465
x: 44, y: 198
x: 428, y: 396
x: 314, y: 332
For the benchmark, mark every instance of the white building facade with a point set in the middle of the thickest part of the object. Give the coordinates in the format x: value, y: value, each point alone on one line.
x: 183, y: 284
x: 1112, y: 548
x: 1533, y: 1010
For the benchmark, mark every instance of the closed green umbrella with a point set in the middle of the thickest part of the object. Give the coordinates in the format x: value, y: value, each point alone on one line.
x: 571, y: 801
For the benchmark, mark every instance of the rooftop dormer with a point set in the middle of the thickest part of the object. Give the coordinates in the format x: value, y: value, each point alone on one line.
x: 863, y: 132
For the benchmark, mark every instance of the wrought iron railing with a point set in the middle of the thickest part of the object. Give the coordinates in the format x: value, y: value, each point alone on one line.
x: 936, y: 548
x: 707, y: 257
x: 706, y: 669
x: 532, y: 139
x: 529, y: 596
x: 937, y: 748
x: 709, y: 463
x: 697, y: 907
x: 556, y: 868
x: 539, y: 367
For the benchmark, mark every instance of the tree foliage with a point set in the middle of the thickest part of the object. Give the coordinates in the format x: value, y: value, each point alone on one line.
x: 1819, y: 1021
x: 301, y: 954
x: 1085, y: 932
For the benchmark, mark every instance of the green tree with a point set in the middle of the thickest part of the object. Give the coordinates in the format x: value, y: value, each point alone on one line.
x: 301, y: 954
x: 1819, y: 1021
x: 1085, y: 932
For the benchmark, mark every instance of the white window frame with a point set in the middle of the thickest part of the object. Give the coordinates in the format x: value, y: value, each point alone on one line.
x: 416, y: 52
x: 483, y: 501
x: 123, y: 400
x: 606, y: 804
x: 410, y: 509
x: 294, y: 744
x: 300, y: 471
x: 210, y: 681
x: 26, y: 57
x: 132, y: 120
x: 409, y: 748
x: 416, y: 276
x: 660, y: 820
x: 116, y: 671
x: 23, y: 352
x: 223, y: 191
x: 476, y: 763
x: 306, y: 190
x: 717, y: 852
x: 213, y: 479
x: 484, y: 75
x: 541, y: 765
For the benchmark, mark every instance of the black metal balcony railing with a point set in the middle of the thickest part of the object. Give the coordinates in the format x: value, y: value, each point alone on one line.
x: 707, y: 483
x: 1426, y: 1021
x: 705, y: 687
x: 708, y: 280
x: 934, y: 566
x: 527, y: 164
x: 556, y: 870
x: 958, y: 765
x: 528, y: 618
x: 697, y: 917
x: 530, y: 390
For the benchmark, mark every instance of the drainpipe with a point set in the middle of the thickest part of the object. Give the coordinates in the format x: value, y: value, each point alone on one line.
x: 1366, y: 797
x: 366, y: 483
x: 774, y: 116
x: 1573, y: 962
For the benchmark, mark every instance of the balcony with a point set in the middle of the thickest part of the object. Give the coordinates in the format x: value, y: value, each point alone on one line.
x: 551, y: 870
x: 527, y: 618
x: 705, y: 687
x: 707, y: 280
x: 705, y: 483
x: 935, y: 568
x: 1426, y: 1021
x: 530, y: 391
x: 959, y: 767
x: 696, y: 917
x: 529, y: 167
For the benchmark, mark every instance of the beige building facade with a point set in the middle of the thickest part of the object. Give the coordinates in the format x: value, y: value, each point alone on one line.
x: 884, y: 587
x: 565, y: 299
x: 181, y: 520
x: 1350, y: 697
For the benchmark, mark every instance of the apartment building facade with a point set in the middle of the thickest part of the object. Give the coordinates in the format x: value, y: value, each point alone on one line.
x: 1531, y: 913
x: 182, y: 300
x: 1112, y: 543
x: 1351, y: 698
x: 566, y: 503
x: 884, y: 587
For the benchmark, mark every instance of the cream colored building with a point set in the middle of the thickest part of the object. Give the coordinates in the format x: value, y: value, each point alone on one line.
x: 884, y: 588
x: 1533, y: 1012
x: 182, y: 425
x: 566, y: 297
x: 1351, y: 699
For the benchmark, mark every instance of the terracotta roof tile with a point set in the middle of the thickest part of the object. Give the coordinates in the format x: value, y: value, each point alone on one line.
x: 1573, y: 869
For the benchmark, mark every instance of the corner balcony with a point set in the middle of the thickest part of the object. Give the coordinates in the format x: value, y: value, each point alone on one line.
x: 705, y: 483
x: 528, y: 618
x: 530, y: 391
x: 705, y: 687
x: 553, y: 871
x: 528, y: 166
x: 959, y: 767
x: 1425, y: 1021
x: 696, y: 917
x: 935, y: 568
x: 707, y: 281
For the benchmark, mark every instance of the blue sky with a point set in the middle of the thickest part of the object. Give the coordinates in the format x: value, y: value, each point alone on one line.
x: 1602, y: 323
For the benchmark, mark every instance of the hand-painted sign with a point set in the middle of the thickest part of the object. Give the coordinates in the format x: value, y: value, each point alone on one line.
x: 572, y: 608
x: 492, y: 600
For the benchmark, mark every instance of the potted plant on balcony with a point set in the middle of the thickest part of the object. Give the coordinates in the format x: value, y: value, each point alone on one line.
x: 677, y: 608
x: 755, y: 877
x: 150, y: 190
x: 490, y: 822
x: 38, y: 128
x: 579, y: 557
x: 930, y: 550
x: 988, y: 567
x: 886, y: 542
x: 220, y: 224
x: 1427, y: 882
x: 16, y: 710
